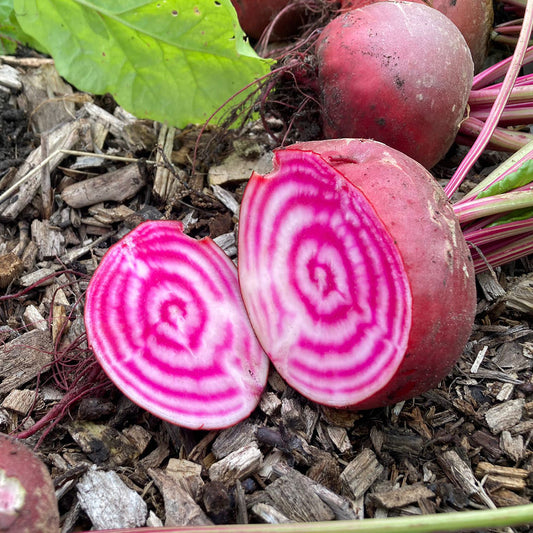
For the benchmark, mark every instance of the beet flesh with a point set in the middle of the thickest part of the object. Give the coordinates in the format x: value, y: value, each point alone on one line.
x: 435, y: 261
x: 166, y: 321
x: 27, y: 497
x: 397, y: 72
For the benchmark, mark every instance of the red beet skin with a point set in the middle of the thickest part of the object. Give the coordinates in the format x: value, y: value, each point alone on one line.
x: 474, y: 19
x: 27, y: 498
x: 393, y: 232
x: 166, y: 321
x: 397, y: 72
x: 255, y: 15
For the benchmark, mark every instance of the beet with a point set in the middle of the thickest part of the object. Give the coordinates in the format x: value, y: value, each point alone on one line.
x: 354, y: 272
x: 397, y: 72
x: 255, y: 15
x: 27, y: 498
x: 166, y: 321
x: 474, y: 18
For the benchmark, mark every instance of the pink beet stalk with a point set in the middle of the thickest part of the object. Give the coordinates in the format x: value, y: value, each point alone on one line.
x: 355, y: 303
x: 166, y: 321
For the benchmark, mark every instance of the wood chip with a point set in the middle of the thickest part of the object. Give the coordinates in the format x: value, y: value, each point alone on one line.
x: 46, y: 98
x: 27, y: 180
x: 235, y: 168
x: 138, y: 436
x: 109, y: 503
x: 180, y: 508
x: 117, y: 186
x: 103, y: 444
x: 460, y: 473
x: 33, y: 319
x: 237, y: 465
x: 10, y: 78
x: 11, y: 267
x: 406, y: 495
x: 233, y: 438
x: 269, y: 514
x: 24, y: 358
x: 20, y: 401
x: 188, y: 475
x: 361, y: 473
x: 49, y: 240
x: 520, y: 295
x: 505, y: 415
x: 513, y: 447
x: 294, y: 495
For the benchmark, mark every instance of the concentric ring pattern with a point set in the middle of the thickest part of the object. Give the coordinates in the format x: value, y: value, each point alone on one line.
x: 166, y: 321
x: 322, y: 280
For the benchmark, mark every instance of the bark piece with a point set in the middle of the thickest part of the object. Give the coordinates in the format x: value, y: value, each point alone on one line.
x: 187, y: 474
x: 270, y: 404
x: 237, y: 465
x: 49, y: 240
x: 217, y: 502
x: 138, y: 436
x: 24, y: 358
x: 103, y: 444
x: 502, y: 476
x: 27, y: 180
x: 180, y: 508
x: 19, y: 401
x: 294, y: 495
x: 269, y: 514
x: 46, y: 98
x: 233, y: 438
x: 10, y: 78
x: 520, y: 295
x: 460, y: 473
x: 360, y: 474
x: 11, y: 267
x: 236, y: 168
x: 393, y: 499
x: 166, y: 185
x: 507, y: 498
x: 512, y: 446
x: 33, y: 319
x: 109, y: 503
x: 505, y: 415
x: 117, y: 186
x: 339, y: 437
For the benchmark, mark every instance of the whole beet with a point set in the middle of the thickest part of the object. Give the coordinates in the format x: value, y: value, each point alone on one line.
x: 397, y: 72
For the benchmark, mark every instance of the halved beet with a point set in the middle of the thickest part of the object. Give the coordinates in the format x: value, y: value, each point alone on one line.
x: 355, y: 274
x: 166, y: 321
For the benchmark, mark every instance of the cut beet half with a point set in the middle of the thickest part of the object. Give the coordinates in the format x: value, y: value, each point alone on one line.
x: 166, y: 321
x: 322, y: 280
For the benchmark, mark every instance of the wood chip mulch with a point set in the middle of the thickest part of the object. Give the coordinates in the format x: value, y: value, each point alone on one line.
x: 465, y: 445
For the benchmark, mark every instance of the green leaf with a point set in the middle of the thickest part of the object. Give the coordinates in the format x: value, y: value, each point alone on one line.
x: 11, y: 33
x: 519, y: 178
x: 513, y: 216
x: 174, y: 61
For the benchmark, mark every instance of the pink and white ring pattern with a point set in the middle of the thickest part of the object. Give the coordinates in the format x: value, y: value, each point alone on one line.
x: 166, y: 321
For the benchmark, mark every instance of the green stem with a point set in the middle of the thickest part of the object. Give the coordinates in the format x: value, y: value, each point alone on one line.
x: 493, y: 205
x: 501, y: 99
x: 503, y: 169
x: 445, y: 522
